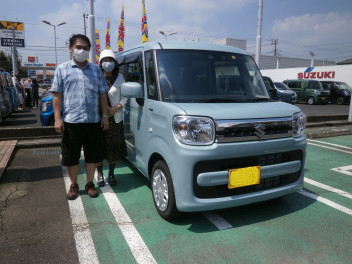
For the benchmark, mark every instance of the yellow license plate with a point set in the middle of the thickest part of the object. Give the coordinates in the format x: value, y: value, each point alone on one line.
x: 244, y: 177
x: 323, y: 98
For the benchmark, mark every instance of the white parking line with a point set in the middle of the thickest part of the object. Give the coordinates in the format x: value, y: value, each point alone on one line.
x: 344, y: 151
x: 329, y: 188
x: 326, y: 201
x: 344, y: 170
x: 218, y: 221
x: 327, y: 143
x: 134, y: 240
x: 83, y: 238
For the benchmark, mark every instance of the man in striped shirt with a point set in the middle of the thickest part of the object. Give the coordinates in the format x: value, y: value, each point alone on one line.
x: 80, y: 109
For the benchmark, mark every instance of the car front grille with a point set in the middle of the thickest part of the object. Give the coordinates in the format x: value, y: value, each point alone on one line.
x: 227, y: 164
x: 253, y: 129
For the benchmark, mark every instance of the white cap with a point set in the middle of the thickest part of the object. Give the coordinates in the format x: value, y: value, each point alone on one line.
x: 106, y: 53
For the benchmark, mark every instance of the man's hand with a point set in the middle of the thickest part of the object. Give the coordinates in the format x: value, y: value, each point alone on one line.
x: 59, y: 126
x: 105, y: 123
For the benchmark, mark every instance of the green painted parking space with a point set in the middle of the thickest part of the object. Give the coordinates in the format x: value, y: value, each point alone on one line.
x: 319, y: 164
x: 291, y: 229
x: 108, y: 239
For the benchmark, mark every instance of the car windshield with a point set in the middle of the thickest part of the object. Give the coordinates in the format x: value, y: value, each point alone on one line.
x: 208, y: 76
x: 281, y: 86
x: 344, y: 86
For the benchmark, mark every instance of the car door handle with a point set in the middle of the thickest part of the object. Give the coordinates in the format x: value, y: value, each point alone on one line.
x: 151, y: 109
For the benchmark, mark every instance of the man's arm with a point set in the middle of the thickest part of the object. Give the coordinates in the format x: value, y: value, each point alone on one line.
x: 57, y: 104
x: 103, y: 103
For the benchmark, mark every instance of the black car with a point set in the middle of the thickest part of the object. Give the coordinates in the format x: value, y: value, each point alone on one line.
x: 340, y: 92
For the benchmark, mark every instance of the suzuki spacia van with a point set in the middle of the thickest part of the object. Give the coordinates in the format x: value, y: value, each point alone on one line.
x: 200, y: 125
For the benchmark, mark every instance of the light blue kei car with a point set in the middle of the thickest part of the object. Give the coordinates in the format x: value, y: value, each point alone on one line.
x: 200, y: 125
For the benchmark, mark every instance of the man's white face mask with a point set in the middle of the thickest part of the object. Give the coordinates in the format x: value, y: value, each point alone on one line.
x: 80, y: 55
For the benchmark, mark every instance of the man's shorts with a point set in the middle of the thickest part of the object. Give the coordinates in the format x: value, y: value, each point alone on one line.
x: 76, y: 136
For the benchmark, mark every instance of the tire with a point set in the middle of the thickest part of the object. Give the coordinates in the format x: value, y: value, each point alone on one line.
x: 340, y: 100
x: 163, y: 191
x: 310, y: 100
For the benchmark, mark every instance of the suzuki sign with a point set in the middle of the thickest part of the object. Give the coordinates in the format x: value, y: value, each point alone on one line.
x: 310, y: 74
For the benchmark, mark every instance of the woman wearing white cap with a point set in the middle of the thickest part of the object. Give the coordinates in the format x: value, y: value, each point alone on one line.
x: 113, y: 139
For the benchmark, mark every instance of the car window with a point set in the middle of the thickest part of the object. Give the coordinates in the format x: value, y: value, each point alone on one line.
x: 327, y: 85
x: 315, y: 85
x: 281, y: 86
x: 344, y: 86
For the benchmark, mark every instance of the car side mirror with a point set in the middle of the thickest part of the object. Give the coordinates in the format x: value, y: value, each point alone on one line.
x: 132, y: 90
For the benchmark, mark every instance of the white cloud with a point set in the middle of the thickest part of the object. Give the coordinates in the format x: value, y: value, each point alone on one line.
x: 319, y: 32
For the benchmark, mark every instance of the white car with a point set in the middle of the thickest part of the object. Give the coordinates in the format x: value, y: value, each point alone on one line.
x: 285, y: 89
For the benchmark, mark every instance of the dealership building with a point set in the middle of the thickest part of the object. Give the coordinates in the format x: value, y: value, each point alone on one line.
x: 272, y: 62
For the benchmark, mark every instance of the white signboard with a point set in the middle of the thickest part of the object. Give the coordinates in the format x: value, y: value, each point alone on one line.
x: 6, y: 33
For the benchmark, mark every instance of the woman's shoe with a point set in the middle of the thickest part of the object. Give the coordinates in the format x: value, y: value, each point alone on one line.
x: 111, y: 180
x: 100, y: 181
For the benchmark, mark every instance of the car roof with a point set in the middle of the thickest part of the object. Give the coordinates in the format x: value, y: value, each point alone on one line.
x: 185, y: 45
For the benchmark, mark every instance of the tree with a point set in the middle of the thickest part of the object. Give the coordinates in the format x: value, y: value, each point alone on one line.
x: 6, y: 65
x: 5, y: 62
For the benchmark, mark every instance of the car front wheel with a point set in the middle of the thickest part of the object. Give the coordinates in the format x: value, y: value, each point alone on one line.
x: 311, y: 100
x: 163, y: 191
x: 340, y: 100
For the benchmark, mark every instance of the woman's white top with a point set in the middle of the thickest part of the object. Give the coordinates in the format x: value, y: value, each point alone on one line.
x: 116, y: 98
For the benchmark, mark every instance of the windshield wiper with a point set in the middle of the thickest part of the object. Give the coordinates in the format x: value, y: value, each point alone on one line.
x: 258, y: 99
x: 217, y: 100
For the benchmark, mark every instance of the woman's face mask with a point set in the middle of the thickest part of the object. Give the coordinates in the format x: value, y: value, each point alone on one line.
x: 80, y: 54
x: 108, y: 66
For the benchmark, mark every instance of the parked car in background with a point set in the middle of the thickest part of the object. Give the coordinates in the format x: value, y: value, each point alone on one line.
x: 340, y: 92
x: 275, y: 93
x: 310, y: 91
x: 285, y: 89
x: 46, y: 109
x: 5, y: 107
x: 13, y: 95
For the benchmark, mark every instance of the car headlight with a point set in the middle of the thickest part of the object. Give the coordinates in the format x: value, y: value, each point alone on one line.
x: 299, y: 123
x: 347, y: 93
x: 45, y: 106
x: 193, y: 130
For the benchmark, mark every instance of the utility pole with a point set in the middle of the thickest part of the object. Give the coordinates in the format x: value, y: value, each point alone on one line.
x: 84, y: 23
x: 274, y: 42
x: 259, y: 33
x: 14, y: 66
x: 311, y: 53
x: 14, y: 53
x: 91, y: 31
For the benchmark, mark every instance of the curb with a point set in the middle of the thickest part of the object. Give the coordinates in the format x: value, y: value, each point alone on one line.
x: 27, y: 132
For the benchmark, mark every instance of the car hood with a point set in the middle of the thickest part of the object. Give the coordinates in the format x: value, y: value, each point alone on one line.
x: 240, y: 110
x: 287, y: 92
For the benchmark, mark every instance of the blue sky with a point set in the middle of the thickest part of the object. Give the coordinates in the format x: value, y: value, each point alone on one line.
x: 300, y: 26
